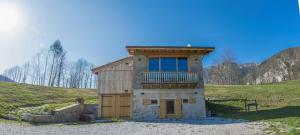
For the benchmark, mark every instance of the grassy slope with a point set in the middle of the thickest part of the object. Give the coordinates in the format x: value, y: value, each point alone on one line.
x: 285, y: 113
x: 14, y: 96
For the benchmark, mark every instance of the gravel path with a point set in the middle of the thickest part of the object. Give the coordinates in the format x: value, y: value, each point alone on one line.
x: 209, y: 126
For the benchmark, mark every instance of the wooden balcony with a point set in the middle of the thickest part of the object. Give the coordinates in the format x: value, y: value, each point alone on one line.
x: 170, y: 79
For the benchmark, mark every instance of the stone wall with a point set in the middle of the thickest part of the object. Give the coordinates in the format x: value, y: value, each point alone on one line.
x: 67, y: 114
x: 195, y: 110
x: 195, y: 65
x: 140, y: 111
x: 139, y: 66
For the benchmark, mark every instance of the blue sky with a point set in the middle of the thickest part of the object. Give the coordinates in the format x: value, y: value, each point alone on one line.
x: 99, y: 30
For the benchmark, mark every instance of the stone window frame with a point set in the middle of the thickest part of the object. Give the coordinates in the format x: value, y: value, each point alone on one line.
x: 157, y: 99
x: 187, y: 100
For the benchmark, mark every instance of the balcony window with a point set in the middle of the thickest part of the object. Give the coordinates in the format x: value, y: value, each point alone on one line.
x: 169, y: 64
x: 182, y: 64
x: 153, y: 64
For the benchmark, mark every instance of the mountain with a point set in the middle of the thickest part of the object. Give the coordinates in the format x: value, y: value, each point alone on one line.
x: 5, y: 79
x: 281, y: 67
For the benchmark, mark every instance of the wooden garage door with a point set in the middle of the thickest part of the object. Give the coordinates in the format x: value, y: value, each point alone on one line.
x: 116, y: 106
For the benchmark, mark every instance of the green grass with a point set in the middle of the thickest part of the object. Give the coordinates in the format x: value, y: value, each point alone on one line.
x: 282, y: 113
x: 279, y: 104
x: 15, y: 96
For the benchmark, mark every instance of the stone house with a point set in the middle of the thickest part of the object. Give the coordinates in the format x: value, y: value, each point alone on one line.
x: 153, y: 82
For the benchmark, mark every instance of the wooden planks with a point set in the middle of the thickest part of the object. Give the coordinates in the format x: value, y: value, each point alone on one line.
x: 146, y: 101
x: 115, y: 105
x: 108, y: 106
x: 178, y: 107
x: 117, y: 81
x: 192, y: 100
x: 115, y: 77
x: 124, y: 106
x: 162, y: 108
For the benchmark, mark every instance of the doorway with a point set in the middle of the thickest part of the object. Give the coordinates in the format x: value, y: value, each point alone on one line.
x: 170, y: 108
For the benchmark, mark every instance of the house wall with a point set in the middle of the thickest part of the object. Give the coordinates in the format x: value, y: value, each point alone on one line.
x: 195, y: 65
x: 116, y: 78
x: 141, y: 111
x: 189, y: 110
x: 139, y: 66
x: 127, y: 75
x: 140, y: 62
x: 115, y: 81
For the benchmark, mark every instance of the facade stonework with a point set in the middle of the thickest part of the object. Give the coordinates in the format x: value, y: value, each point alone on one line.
x: 189, y: 110
x: 153, y: 94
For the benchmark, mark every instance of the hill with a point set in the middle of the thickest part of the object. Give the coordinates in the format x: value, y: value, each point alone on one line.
x: 14, y: 96
x: 5, y: 79
x: 281, y: 67
x: 279, y: 103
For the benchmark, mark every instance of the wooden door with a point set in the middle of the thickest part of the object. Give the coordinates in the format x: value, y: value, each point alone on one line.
x: 108, y: 106
x: 163, y: 109
x: 116, y: 106
x: 123, y: 106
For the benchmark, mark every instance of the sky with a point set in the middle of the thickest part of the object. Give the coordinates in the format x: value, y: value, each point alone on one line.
x: 99, y: 30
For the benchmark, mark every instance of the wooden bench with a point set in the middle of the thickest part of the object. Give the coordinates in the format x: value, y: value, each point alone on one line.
x: 249, y: 104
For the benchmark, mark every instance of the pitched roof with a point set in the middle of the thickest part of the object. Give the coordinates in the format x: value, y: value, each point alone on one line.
x: 109, y: 64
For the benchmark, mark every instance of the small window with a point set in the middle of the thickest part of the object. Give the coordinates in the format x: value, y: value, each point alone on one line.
x: 153, y: 102
x: 185, y: 100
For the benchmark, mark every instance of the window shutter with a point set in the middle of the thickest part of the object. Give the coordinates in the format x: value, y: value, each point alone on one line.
x: 146, y: 102
x: 178, y: 108
x: 192, y: 100
x: 162, y: 108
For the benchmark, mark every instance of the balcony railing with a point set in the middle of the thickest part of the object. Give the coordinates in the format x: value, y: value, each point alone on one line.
x: 170, y: 77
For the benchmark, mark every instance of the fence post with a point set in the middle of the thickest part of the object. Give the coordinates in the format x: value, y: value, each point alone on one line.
x: 256, y: 105
x: 245, y: 102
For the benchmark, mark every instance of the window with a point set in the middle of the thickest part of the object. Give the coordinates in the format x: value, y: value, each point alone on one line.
x: 168, y: 64
x: 153, y: 102
x: 172, y: 64
x: 182, y: 64
x: 185, y: 100
x: 153, y: 64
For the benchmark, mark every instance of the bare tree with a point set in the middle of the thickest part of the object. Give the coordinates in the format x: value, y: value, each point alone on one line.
x: 14, y: 73
x: 49, y: 67
x: 25, y: 72
x: 58, y: 56
x: 225, y: 70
